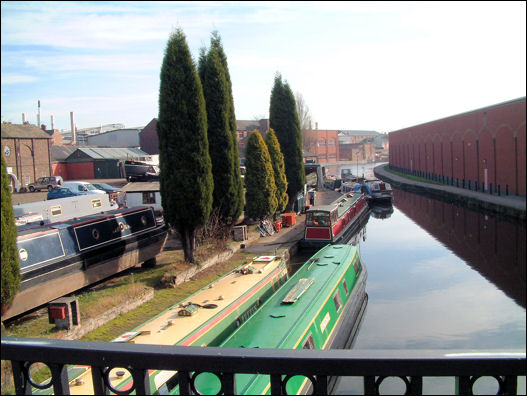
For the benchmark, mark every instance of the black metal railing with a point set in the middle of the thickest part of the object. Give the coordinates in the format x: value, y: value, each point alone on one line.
x: 280, y: 364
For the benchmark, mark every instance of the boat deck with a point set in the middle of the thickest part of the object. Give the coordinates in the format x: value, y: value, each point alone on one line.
x: 169, y: 328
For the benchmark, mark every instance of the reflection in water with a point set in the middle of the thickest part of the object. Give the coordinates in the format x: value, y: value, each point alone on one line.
x: 381, y: 211
x: 495, y: 248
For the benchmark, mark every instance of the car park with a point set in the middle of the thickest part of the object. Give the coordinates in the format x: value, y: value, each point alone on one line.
x: 82, y: 186
x: 46, y: 183
x: 63, y: 192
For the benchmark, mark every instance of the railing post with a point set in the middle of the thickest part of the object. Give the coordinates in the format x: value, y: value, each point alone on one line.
x: 99, y: 385
x: 20, y: 378
x: 321, y: 385
x: 141, y: 381
x: 228, y: 383
x: 369, y: 385
x: 276, y: 384
x: 59, y: 376
x: 463, y: 386
x: 416, y: 386
x: 184, y: 383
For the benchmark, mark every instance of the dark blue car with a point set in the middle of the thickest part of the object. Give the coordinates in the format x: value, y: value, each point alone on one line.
x: 62, y: 192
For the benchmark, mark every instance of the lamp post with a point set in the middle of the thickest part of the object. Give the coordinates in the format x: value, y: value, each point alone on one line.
x: 357, y: 156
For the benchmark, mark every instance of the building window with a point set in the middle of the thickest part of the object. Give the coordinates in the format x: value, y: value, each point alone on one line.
x: 149, y: 197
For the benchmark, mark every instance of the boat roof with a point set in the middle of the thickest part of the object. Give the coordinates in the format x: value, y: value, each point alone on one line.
x: 31, y: 228
x: 349, y: 200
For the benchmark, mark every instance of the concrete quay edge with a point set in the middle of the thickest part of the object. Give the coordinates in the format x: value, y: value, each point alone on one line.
x: 512, y: 207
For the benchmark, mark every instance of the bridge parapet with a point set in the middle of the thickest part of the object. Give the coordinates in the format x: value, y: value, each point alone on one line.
x: 319, y: 366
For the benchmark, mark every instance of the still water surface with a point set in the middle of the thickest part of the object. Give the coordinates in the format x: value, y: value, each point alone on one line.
x: 440, y: 277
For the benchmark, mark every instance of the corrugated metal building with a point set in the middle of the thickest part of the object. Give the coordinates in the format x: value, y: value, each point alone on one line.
x: 93, y: 162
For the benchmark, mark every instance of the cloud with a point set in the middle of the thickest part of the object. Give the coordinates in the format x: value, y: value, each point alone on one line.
x: 8, y: 78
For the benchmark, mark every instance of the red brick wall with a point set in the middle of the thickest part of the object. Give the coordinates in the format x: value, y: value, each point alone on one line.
x: 26, y: 167
x: 326, y: 147
x: 60, y: 169
x: 461, y: 147
x: 80, y: 170
x: 148, y: 138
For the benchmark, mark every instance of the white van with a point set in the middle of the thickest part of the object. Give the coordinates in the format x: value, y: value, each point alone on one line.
x: 81, y: 186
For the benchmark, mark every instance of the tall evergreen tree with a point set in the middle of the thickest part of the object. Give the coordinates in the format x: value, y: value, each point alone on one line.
x: 237, y: 179
x: 185, y: 166
x: 283, y: 118
x: 259, y: 179
x: 10, y: 264
x: 217, y: 94
x: 277, y: 160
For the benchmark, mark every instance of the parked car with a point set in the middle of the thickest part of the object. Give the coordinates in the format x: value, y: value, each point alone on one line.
x: 63, y: 192
x: 115, y: 194
x: 46, y: 183
x: 82, y: 186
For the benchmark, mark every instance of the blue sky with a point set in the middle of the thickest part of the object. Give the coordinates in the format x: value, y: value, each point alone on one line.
x: 359, y: 65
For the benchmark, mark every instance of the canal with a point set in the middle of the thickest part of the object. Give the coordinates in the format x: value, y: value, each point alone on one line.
x: 441, y: 277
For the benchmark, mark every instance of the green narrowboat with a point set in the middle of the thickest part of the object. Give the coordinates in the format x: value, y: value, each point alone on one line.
x: 320, y: 307
x: 206, y: 318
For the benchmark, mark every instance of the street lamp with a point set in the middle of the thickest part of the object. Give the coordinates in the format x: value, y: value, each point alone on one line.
x: 357, y: 155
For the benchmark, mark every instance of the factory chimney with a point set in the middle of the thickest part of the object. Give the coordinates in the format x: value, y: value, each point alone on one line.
x: 38, y: 116
x: 23, y: 118
x: 73, y: 132
x: 52, y: 122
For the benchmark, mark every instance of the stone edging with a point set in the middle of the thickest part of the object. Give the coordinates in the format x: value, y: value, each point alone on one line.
x: 91, y: 324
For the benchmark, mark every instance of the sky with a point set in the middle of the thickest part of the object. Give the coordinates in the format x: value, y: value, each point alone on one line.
x: 379, y: 66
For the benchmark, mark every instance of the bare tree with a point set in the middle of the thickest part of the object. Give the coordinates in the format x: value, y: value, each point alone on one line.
x: 309, y: 138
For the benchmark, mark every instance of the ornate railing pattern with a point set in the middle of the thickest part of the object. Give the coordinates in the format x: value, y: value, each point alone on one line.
x: 373, y: 365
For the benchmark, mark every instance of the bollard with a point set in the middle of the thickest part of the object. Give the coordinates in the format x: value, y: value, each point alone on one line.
x: 499, y: 189
x: 506, y: 189
x: 490, y: 188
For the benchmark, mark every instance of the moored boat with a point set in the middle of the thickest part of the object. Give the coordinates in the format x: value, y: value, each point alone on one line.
x: 206, y: 318
x: 320, y: 307
x: 380, y: 192
x: 60, y: 258
x: 333, y: 223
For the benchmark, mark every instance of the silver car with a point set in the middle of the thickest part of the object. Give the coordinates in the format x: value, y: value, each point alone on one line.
x: 46, y: 183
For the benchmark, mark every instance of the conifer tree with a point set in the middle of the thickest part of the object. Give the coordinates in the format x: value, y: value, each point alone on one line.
x: 238, y: 204
x: 283, y: 118
x: 277, y: 160
x: 218, y: 99
x: 10, y: 264
x: 185, y: 166
x: 259, y: 179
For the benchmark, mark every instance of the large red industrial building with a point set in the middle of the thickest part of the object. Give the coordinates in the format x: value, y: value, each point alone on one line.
x: 482, y: 149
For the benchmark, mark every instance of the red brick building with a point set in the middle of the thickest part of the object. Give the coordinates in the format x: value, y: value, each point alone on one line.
x: 148, y: 138
x: 481, y: 148
x: 324, y: 144
x: 27, y: 152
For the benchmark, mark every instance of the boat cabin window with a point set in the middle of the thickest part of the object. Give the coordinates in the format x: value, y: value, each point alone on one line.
x: 56, y: 210
x: 357, y: 266
x: 337, y: 300
x: 318, y: 219
x: 96, y: 203
x: 345, y: 287
x: 309, y: 343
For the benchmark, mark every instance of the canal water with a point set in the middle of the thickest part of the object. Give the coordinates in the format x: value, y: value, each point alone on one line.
x: 440, y: 277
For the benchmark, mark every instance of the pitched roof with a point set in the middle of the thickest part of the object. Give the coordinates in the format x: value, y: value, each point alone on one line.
x: 110, y: 152
x: 23, y: 131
